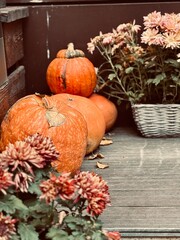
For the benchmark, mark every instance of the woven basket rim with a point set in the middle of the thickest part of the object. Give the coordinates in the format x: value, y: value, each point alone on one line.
x: 155, y: 104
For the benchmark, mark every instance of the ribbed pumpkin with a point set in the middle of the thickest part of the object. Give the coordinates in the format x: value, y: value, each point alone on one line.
x: 92, y: 114
x: 63, y: 124
x: 71, y: 72
x: 108, y: 109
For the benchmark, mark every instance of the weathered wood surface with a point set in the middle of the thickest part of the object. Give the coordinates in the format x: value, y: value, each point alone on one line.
x: 12, y: 90
x: 2, y: 3
x: 13, y: 42
x: 144, y: 182
x: 10, y: 14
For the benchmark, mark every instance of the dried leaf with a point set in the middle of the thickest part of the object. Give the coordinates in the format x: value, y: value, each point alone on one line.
x: 62, y: 215
x: 94, y: 156
x: 54, y: 118
x: 106, y: 141
x: 102, y: 165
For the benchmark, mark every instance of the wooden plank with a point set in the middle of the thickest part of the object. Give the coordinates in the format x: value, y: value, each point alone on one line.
x: 143, y: 198
x: 77, y: 1
x: 13, y: 42
x: 12, y: 90
x: 143, y: 179
x: 10, y: 14
x: 138, y: 219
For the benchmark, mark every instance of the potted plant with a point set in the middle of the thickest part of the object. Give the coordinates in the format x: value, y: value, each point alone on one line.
x: 141, y: 67
x: 38, y: 203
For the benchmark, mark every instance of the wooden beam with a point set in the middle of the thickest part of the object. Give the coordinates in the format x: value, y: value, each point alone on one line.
x: 12, y: 90
x: 13, y: 42
x: 10, y: 14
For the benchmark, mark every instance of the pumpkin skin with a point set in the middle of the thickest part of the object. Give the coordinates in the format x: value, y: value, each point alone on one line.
x: 92, y: 114
x: 63, y: 124
x: 108, y: 109
x: 71, y: 72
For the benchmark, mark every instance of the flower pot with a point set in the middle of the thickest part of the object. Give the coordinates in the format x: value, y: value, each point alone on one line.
x: 157, y: 120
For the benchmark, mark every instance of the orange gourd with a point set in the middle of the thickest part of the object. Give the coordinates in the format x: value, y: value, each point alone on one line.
x: 108, y: 109
x: 71, y: 72
x: 92, y: 114
x: 63, y: 124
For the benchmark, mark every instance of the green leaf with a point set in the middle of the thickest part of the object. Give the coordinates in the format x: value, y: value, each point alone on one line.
x: 98, y: 236
x: 56, y: 234
x: 15, y: 237
x: 173, y: 63
x: 74, y: 220
x: 118, y: 67
x: 111, y: 76
x: 157, y: 79
x: 34, y: 188
x: 129, y: 70
x: 10, y: 203
x: 38, y: 207
x: 27, y: 232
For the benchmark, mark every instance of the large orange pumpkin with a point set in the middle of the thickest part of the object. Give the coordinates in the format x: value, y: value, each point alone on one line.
x: 108, y: 109
x: 92, y: 114
x: 63, y: 124
x: 71, y: 72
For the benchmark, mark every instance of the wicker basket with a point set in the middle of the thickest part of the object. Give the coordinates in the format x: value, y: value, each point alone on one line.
x: 157, y: 120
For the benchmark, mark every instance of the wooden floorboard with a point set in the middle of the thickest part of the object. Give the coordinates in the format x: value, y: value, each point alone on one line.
x: 144, y: 183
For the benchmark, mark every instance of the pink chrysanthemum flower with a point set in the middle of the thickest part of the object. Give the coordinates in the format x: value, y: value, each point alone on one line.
x: 58, y: 186
x: 91, y: 47
x: 43, y: 146
x: 21, y: 154
x: 152, y: 20
x: 5, y: 180
x: 95, y: 190
x: 7, y: 227
x: 170, y: 22
x: 20, y: 158
x: 22, y: 180
x: 171, y: 40
x: 108, y: 40
x: 152, y: 37
x: 49, y: 190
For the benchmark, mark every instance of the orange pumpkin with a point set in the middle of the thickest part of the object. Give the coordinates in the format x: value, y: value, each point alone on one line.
x: 71, y: 72
x: 63, y: 124
x: 108, y: 109
x: 92, y: 114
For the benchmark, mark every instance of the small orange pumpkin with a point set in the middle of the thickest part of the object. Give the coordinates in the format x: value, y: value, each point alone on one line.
x: 63, y: 124
x: 108, y: 109
x: 71, y: 72
x: 92, y: 114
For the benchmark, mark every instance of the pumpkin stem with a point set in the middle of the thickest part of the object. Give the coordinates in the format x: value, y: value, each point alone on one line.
x: 46, y: 103
x: 72, y: 53
x: 70, y: 47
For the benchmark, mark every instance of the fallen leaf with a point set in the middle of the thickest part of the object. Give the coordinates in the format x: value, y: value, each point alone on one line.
x: 94, y: 156
x: 102, y: 165
x: 62, y: 215
x: 105, y: 142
